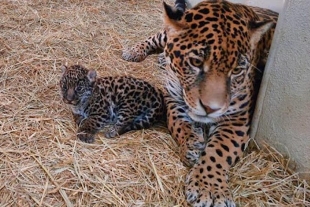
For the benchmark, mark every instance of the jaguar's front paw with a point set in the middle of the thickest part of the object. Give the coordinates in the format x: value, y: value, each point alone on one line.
x: 191, y: 149
x: 86, y: 137
x: 190, y: 155
x: 205, y: 188
x: 162, y: 61
x: 134, y: 54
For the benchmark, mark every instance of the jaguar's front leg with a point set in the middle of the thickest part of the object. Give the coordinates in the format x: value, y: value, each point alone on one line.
x: 153, y: 44
x: 183, y: 129
x: 207, y: 182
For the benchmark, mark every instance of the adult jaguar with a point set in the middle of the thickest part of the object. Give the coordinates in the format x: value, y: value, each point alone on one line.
x: 215, y: 54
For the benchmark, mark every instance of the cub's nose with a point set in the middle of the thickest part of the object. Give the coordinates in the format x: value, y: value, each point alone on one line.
x: 66, y: 101
x: 70, y: 95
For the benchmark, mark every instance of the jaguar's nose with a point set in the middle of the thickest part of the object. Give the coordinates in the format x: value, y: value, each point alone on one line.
x: 210, y: 110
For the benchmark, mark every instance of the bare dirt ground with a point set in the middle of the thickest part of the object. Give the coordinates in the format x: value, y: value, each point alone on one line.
x: 41, y: 161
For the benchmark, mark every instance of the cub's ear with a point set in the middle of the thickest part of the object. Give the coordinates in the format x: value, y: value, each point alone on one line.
x: 63, y: 68
x: 258, y: 29
x: 91, y: 75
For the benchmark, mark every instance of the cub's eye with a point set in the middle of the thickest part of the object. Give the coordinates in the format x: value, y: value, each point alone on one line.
x: 237, y: 70
x: 63, y: 87
x: 196, y: 62
x: 79, y: 88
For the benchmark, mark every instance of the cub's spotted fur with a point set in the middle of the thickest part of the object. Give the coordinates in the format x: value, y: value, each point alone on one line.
x: 123, y: 103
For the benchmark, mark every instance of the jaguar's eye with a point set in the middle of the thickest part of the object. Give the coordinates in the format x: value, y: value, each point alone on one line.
x: 196, y: 62
x: 242, y: 65
x: 242, y: 62
x: 237, y: 70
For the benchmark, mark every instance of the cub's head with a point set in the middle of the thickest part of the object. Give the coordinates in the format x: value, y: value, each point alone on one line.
x: 211, y: 51
x: 76, y: 84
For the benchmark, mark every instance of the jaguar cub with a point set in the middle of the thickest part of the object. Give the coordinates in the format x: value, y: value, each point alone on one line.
x: 120, y: 103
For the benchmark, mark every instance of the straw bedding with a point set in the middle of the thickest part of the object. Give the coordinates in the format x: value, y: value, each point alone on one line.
x: 41, y: 161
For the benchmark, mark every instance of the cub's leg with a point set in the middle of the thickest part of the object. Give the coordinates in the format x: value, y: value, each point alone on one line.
x: 128, y: 121
x: 77, y: 118
x: 89, y: 127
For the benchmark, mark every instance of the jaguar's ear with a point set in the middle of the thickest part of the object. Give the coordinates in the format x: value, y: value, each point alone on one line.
x: 258, y: 29
x: 91, y: 75
x: 172, y: 17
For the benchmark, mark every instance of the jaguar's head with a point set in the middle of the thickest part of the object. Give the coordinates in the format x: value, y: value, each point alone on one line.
x: 210, y: 50
x: 76, y: 84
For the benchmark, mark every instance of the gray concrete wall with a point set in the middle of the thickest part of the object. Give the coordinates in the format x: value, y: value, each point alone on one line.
x: 275, y: 5
x: 282, y: 117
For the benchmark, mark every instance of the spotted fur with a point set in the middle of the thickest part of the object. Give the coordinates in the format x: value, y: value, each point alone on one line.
x: 120, y: 103
x: 215, y: 54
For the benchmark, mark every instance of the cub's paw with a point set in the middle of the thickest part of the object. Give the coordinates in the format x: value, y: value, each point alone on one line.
x: 134, y: 54
x: 86, y: 137
x: 205, y: 188
x: 191, y: 149
x: 110, y: 132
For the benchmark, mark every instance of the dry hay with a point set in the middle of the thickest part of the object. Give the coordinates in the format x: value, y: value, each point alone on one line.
x: 42, y: 163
